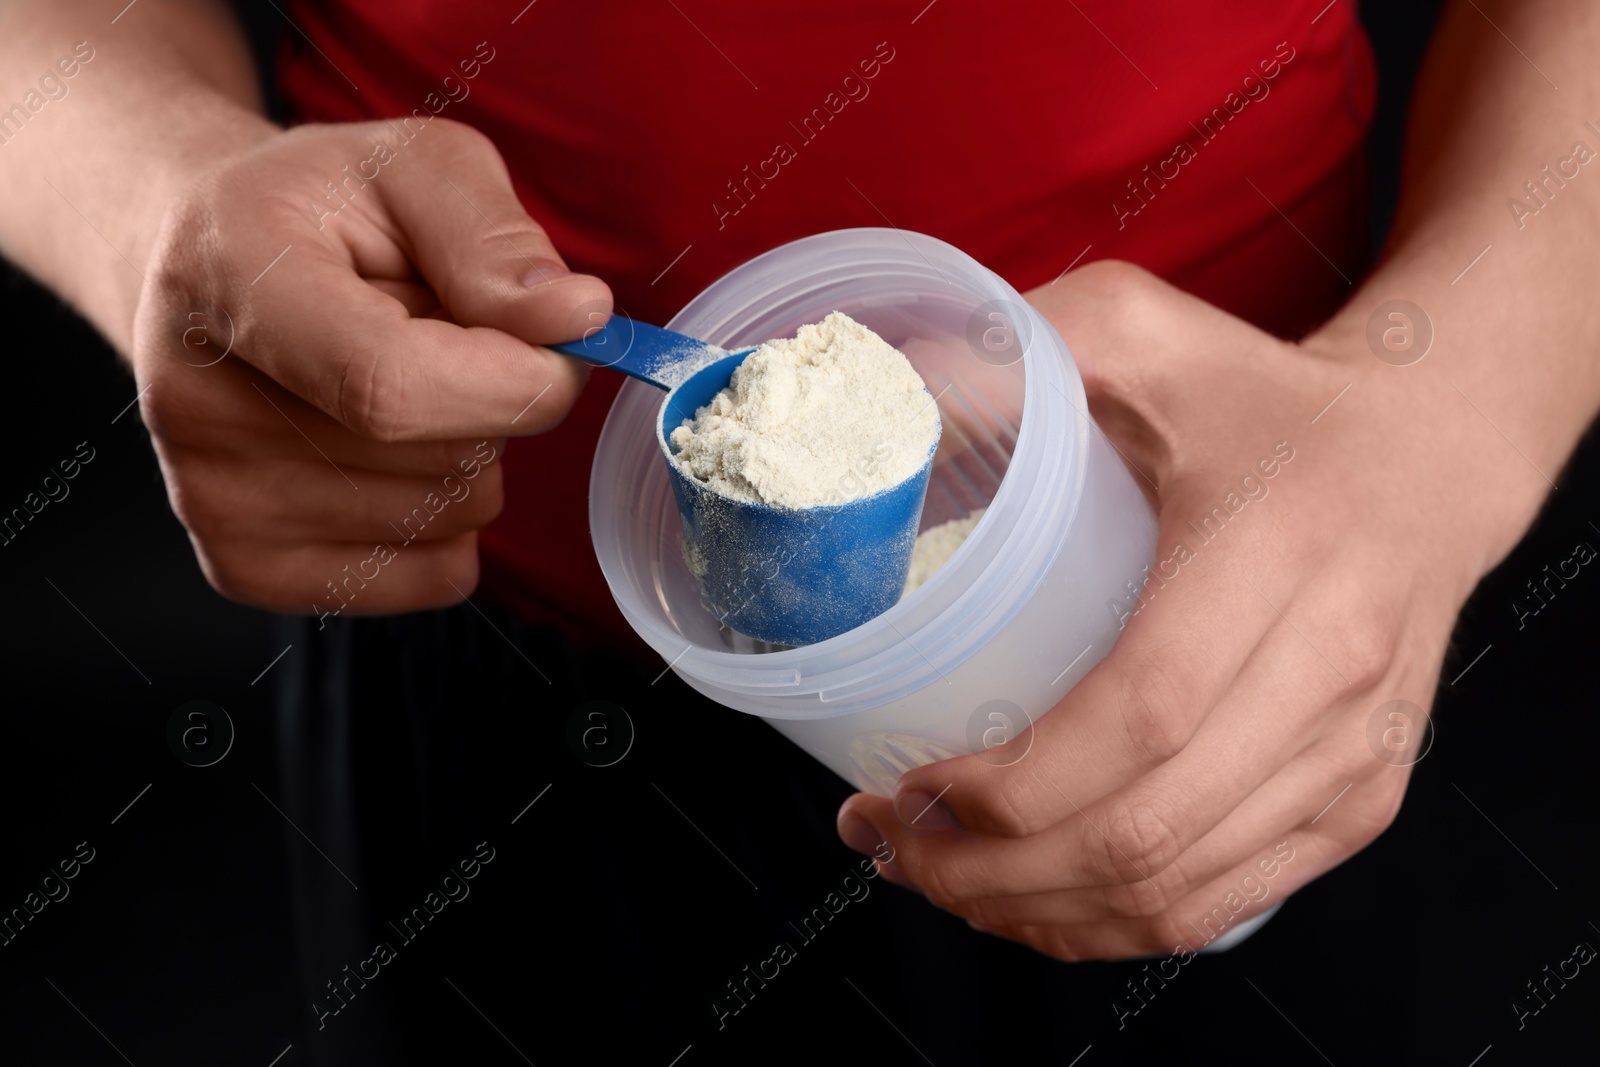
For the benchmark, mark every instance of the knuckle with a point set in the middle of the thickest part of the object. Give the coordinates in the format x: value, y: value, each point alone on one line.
x: 521, y: 225
x: 371, y: 396
x: 1148, y: 735
x: 162, y: 413
x: 942, y: 880
x: 187, y: 261
x: 982, y: 912
x: 1140, y: 839
x: 1367, y: 651
x: 1155, y: 702
x: 459, y: 562
x: 1114, y: 278
x: 229, y: 575
x: 1003, y: 808
x: 490, y: 499
x: 478, y: 277
x: 933, y: 879
x: 463, y: 138
x: 189, y: 225
x: 1146, y: 898
x: 195, y: 507
x: 479, y: 268
x: 1372, y: 819
x: 1055, y: 942
x: 471, y: 507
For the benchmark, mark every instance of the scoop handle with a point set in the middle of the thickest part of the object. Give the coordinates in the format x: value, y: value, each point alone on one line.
x: 638, y: 350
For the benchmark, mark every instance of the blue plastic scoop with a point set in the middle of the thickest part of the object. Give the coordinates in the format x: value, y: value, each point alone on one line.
x: 786, y: 576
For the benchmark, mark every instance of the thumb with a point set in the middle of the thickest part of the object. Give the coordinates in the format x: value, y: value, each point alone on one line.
x: 486, y: 259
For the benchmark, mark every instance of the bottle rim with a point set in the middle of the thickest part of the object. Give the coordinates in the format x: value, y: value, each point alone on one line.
x: 964, y: 605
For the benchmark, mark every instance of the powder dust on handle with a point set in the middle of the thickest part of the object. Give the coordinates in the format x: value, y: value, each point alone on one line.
x: 831, y: 415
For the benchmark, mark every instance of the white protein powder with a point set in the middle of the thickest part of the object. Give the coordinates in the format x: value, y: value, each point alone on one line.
x: 935, y: 546
x: 831, y: 415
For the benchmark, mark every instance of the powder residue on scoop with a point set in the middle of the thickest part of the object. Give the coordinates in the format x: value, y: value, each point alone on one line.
x: 831, y: 415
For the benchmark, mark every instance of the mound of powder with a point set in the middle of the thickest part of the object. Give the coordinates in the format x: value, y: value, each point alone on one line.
x: 831, y: 415
x: 935, y: 546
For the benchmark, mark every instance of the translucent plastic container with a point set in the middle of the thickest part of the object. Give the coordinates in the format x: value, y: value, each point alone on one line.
x: 1018, y: 614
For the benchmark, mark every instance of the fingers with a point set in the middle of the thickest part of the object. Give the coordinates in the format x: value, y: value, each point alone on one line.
x: 1134, y: 842
x: 314, y: 498
x: 490, y: 263
x: 231, y: 409
x: 1328, y: 803
x: 1293, y: 797
x: 377, y: 355
x: 1333, y: 792
x: 1135, y: 816
x: 1274, y: 871
x: 1136, y: 709
x: 325, y: 387
x: 349, y: 578
x: 1140, y: 706
x: 359, y: 357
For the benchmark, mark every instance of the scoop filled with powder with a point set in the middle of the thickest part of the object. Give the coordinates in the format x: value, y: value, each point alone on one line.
x: 801, y: 482
x: 830, y: 415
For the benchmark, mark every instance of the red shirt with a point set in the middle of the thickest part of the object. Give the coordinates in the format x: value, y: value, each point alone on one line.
x: 662, y: 144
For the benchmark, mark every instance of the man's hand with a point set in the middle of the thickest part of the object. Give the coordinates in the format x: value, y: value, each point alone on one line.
x: 311, y: 373
x: 1307, y: 573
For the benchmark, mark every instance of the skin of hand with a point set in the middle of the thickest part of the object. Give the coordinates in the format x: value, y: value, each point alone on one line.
x: 313, y: 375
x: 1232, y: 712
x: 1223, y: 754
x: 1235, y: 706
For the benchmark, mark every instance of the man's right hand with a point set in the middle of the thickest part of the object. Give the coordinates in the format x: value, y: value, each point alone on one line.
x: 370, y: 350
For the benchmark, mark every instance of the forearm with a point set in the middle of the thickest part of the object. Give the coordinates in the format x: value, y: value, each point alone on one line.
x: 169, y: 90
x: 1516, y: 348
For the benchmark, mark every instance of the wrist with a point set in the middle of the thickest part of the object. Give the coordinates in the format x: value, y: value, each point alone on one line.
x: 1473, y: 485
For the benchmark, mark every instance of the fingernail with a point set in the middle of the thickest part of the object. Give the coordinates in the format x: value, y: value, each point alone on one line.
x: 858, y: 833
x: 543, y: 272
x: 924, y: 812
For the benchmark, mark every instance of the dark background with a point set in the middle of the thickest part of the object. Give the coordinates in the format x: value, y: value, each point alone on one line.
x: 610, y: 922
